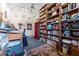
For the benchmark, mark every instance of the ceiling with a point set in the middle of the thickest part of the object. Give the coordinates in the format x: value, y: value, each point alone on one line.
x: 34, y: 12
x: 26, y: 5
x: 22, y: 12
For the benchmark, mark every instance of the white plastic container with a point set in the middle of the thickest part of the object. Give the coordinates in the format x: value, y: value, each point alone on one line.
x: 66, y: 41
x: 74, y: 42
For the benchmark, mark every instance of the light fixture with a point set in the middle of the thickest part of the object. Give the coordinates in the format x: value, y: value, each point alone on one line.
x: 32, y: 6
x: 25, y: 10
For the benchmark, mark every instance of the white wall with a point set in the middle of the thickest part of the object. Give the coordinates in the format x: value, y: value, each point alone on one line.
x: 16, y: 16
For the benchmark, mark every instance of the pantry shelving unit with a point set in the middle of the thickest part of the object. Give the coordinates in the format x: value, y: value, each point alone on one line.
x: 61, y: 19
x: 53, y: 17
x: 73, y: 45
x: 43, y: 22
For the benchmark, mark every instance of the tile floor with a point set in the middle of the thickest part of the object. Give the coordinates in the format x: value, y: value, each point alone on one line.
x: 32, y: 43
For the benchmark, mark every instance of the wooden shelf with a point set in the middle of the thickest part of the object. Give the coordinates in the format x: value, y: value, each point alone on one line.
x: 55, y: 35
x: 52, y: 40
x: 55, y: 23
x: 72, y: 38
x: 42, y: 29
x: 75, y: 10
x: 43, y: 7
x: 42, y: 14
x: 43, y: 17
x: 56, y: 15
x: 49, y: 29
x: 56, y: 29
x: 42, y: 21
x: 52, y: 17
x: 73, y: 21
x: 53, y: 29
x: 43, y: 26
x: 50, y: 12
x: 42, y: 11
x: 52, y: 5
x: 71, y: 29
x: 64, y: 5
x: 42, y: 33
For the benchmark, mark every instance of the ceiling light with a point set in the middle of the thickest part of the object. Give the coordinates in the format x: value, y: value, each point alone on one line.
x: 25, y: 10
x: 32, y: 6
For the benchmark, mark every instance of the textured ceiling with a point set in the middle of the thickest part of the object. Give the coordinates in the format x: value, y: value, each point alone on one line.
x: 26, y: 5
x: 32, y: 13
